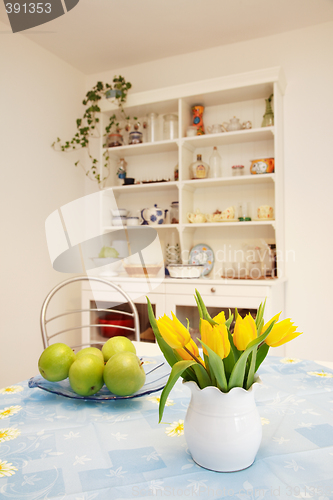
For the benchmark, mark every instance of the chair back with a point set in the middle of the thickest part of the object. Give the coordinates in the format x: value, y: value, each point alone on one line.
x: 131, y: 329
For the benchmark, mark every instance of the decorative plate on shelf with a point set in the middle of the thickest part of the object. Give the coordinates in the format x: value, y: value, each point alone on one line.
x: 157, y: 373
x: 202, y: 254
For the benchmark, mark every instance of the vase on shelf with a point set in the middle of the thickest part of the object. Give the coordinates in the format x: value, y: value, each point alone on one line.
x: 197, y: 120
x: 222, y: 430
x: 268, y: 118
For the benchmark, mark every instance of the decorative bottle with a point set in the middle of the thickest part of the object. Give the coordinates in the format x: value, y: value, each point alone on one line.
x: 215, y: 163
x: 268, y: 118
x: 199, y: 169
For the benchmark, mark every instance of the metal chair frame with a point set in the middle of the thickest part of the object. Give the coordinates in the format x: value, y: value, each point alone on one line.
x: 44, y: 321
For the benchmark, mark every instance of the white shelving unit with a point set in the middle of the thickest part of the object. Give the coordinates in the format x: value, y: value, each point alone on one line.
x: 243, y: 96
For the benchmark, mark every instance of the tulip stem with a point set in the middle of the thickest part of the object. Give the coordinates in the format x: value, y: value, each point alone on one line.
x: 193, y: 356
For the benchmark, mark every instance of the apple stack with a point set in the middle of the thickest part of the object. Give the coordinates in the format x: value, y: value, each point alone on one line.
x: 116, y: 365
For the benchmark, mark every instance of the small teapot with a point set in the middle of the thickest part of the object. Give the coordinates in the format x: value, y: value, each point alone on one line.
x: 233, y: 125
x: 196, y: 218
x: 215, y: 129
x: 153, y: 216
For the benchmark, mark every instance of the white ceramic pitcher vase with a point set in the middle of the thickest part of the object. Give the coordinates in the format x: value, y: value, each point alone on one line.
x: 223, y: 430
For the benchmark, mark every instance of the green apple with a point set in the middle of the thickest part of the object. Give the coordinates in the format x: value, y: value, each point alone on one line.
x: 86, y: 375
x: 124, y: 374
x: 90, y: 350
x: 55, y: 361
x: 115, y: 345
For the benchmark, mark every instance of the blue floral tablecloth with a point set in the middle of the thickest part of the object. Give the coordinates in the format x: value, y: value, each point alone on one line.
x: 52, y: 447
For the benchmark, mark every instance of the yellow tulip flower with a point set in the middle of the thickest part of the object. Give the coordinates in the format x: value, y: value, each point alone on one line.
x: 215, y: 337
x: 245, y: 331
x: 173, y: 331
x: 282, y: 332
x: 192, y: 347
x: 220, y: 318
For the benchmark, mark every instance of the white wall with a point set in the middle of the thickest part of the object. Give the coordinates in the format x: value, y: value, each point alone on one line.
x: 40, y: 100
x: 306, y: 57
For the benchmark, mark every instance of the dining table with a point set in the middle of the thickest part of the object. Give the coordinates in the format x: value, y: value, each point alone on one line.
x: 55, y: 446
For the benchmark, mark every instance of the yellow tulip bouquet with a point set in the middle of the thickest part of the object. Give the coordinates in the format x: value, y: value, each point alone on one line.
x: 230, y: 359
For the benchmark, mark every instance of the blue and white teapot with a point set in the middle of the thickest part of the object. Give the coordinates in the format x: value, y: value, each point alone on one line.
x: 153, y: 216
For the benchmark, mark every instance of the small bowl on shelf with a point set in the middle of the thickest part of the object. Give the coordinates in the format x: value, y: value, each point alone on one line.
x: 185, y: 270
x: 137, y: 270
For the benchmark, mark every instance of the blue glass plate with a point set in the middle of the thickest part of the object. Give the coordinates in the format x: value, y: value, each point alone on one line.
x: 157, y: 373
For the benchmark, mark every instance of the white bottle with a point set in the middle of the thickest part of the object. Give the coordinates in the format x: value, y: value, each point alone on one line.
x: 215, y: 163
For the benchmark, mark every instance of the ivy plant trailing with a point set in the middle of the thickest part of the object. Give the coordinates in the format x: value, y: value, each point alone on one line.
x: 87, y: 126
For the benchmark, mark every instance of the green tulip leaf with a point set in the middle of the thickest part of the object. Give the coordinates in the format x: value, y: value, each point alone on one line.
x: 260, y: 314
x: 229, y: 320
x: 203, y: 308
x: 236, y: 353
x: 168, y: 352
x: 171, y: 355
x: 199, y: 307
x: 229, y: 362
x: 259, y: 328
x: 203, y: 378
x: 261, y: 354
x: 252, y: 369
x: 216, y: 367
x: 176, y: 371
x: 236, y: 314
x: 238, y: 372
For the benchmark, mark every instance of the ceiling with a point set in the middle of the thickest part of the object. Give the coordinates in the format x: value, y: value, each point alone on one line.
x: 102, y: 35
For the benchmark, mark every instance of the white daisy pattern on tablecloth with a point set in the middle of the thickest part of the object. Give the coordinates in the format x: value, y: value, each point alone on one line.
x: 11, y: 389
x: 321, y: 374
x: 175, y: 429
x: 156, y: 399
x: 9, y: 411
x: 290, y: 361
x: 8, y: 434
x: 6, y: 469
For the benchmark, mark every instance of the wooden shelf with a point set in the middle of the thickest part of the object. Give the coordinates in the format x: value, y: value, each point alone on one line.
x: 142, y: 188
x: 237, y: 137
x: 157, y: 227
x: 193, y: 184
x: 222, y: 225
x: 145, y: 148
